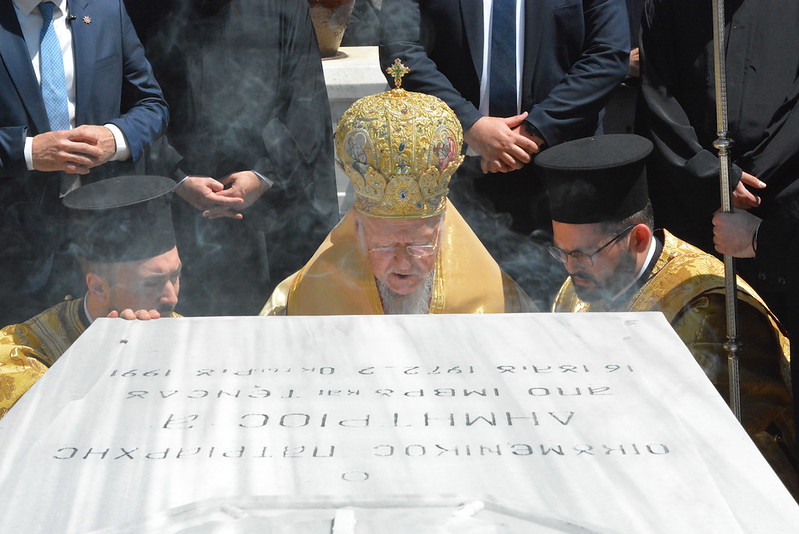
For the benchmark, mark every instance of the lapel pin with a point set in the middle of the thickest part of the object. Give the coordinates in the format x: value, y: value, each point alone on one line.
x: 87, y: 19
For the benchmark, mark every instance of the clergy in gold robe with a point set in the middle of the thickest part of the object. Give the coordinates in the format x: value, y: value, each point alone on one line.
x: 132, y: 269
x: 403, y: 247
x: 28, y: 349
x: 616, y: 261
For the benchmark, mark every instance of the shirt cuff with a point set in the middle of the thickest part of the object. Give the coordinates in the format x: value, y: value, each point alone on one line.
x: 123, y: 152
x: 179, y: 176
x: 264, y: 179
x: 28, y: 151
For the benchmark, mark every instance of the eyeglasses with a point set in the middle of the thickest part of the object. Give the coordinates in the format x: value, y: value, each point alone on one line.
x: 581, y: 258
x: 415, y: 251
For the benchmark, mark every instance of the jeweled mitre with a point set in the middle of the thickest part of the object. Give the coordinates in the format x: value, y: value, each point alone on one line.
x: 399, y: 149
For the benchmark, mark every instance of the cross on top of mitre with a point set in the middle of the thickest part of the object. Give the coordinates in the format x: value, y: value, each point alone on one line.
x: 397, y: 70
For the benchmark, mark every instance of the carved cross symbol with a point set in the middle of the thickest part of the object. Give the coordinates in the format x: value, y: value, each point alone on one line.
x: 397, y: 71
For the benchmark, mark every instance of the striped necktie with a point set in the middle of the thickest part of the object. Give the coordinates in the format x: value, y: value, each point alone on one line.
x: 502, y: 77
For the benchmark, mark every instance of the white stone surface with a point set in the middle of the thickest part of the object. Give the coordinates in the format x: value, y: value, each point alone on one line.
x: 352, y: 76
x: 218, y: 424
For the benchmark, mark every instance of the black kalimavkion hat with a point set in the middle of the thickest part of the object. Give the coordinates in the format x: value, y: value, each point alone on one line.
x: 127, y: 218
x: 596, y: 179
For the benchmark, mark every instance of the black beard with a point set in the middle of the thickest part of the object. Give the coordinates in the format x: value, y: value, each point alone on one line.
x: 622, y: 276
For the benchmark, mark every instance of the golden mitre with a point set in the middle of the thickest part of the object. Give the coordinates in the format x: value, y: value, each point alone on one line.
x: 400, y: 150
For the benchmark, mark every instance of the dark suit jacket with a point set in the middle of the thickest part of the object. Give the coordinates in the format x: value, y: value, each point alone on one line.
x: 575, y: 54
x: 114, y: 83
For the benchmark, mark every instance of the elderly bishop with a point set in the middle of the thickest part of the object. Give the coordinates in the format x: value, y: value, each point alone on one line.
x: 403, y: 248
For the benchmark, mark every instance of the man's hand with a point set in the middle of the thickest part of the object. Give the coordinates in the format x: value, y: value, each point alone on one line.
x: 202, y: 192
x: 130, y: 315
x: 634, y: 64
x: 244, y: 186
x: 733, y: 233
x: 65, y: 150
x: 522, y: 131
x: 97, y: 136
x: 500, y: 142
x: 742, y: 198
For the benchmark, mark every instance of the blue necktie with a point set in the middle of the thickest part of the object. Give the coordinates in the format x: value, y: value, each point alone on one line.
x: 502, y: 77
x: 54, y: 84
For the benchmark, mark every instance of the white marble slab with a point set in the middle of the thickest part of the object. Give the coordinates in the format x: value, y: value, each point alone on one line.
x: 353, y: 75
x: 570, y: 423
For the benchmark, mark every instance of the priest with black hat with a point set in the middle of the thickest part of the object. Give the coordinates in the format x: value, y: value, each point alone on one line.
x: 123, y: 237
x: 603, y: 234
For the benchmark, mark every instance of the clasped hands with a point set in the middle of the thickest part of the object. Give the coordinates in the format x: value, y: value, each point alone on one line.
x: 225, y: 197
x: 503, y: 143
x: 73, y: 151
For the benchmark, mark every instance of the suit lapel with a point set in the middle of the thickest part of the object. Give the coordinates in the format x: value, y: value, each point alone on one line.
x: 532, y: 42
x: 84, y: 48
x: 472, y: 13
x: 14, y: 54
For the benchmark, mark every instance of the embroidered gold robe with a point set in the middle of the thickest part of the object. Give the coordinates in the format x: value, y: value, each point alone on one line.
x: 687, y: 285
x: 28, y: 349
x: 339, y: 281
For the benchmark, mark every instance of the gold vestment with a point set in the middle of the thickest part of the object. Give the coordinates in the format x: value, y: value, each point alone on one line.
x: 687, y: 285
x: 28, y: 349
x: 339, y: 281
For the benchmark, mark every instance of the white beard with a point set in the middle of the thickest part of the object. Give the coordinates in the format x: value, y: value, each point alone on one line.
x: 416, y: 302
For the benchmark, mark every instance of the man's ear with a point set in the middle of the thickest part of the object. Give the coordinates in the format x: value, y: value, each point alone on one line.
x: 98, y: 287
x: 641, y: 236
